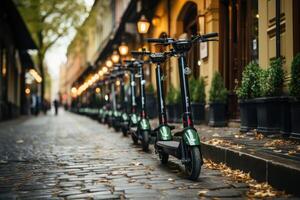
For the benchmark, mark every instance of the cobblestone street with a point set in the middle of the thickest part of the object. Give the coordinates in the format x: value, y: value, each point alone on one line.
x: 74, y: 157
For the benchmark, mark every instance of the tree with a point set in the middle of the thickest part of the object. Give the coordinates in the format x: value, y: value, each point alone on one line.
x: 48, y: 21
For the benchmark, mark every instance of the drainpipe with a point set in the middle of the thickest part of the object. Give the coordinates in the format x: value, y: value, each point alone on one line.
x: 277, y: 28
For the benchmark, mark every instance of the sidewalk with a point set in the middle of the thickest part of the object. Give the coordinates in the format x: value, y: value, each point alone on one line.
x: 272, y: 159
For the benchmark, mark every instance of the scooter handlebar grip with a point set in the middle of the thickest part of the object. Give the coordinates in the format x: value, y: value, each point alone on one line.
x: 210, y: 35
x: 155, y: 40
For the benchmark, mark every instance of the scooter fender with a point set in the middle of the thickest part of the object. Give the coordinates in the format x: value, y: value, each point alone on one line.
x: 164, y: 133
x: 133, y: 119
x: 144, y: 124
x: 191, y: 137
x: 124, y: 117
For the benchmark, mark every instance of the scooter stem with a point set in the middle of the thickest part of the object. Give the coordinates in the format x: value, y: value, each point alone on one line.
x: 160, y: 96
x: 185, y: 95
x: 132, y: 91
x: 142, y: 87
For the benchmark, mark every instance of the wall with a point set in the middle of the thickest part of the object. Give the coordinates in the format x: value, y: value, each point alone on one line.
x: 267, y: 46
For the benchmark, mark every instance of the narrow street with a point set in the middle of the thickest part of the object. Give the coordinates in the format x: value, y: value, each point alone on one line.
x: 74, y: 157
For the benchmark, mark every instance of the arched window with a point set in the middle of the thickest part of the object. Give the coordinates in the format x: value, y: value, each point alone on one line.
x: 188, y: 22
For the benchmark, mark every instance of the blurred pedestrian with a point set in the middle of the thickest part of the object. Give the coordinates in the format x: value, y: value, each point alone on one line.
x: 55, y: 102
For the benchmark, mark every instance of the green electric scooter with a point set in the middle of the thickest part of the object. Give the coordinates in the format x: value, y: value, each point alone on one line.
x: 185, y: 145
x: 143, y: 131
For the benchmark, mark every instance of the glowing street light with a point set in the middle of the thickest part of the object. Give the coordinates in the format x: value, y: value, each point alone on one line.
x: 105, y: 69
x: 123, y: 49
x: 109, y: 63
x: 143, y: 25
x: 115, y: 57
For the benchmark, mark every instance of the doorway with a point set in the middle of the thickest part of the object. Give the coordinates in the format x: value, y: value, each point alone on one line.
x: 238, y: 29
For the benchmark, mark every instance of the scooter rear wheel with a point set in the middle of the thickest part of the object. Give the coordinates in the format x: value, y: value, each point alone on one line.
x: 145, y: 140
x: 193, y: 168
x: 134, y: 139
x: 164, y: 158
x: 124, y: 131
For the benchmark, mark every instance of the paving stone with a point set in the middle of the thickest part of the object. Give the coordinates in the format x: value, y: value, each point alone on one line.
x: 74, y: 157
x: 88, y: 195
x: 228, y: 193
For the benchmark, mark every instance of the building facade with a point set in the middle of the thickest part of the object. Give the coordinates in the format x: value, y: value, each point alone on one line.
x: 256, y: 30
x: 89, y: 42
x: 15, y: 40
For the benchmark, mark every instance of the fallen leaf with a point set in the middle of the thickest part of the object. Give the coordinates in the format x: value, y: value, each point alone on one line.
x: 202, y: 192
x: 3, y: 162
x: 216, y: 135
x: 292, y: 152
x: 19, y: 141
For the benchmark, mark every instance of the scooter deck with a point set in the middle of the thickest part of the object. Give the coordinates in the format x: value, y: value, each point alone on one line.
x: 172, y: 145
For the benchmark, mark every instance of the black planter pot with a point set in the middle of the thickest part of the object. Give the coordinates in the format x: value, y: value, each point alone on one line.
x: 285, y: 120
x: 248, y: 114
x: 295, y: 118
x: 198, y: 112
x: 269, y: 114
x: 217, y: 114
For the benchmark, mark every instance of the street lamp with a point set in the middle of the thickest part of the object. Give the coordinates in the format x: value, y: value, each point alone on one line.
x: 123, y: 49
x: 143, y: 25
x: 109, y: 63
x: 115, y: 57
x: 104, y: 70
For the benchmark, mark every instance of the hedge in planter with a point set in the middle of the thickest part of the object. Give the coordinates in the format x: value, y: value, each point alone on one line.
x: 294, y: 88
x: 217, y: 98
x: 246, y: 93
x: 269, y: 105
x: 197, y: 90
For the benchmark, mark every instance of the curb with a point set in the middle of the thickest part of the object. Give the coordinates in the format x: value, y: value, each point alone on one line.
x: 278, y: 175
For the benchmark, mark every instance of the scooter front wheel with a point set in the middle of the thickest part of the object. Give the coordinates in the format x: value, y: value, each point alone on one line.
x: 193, y: 168
x: 145, y: 140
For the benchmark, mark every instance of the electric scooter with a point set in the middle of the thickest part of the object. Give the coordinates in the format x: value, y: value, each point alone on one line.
x: 187, y: 147
x: 143, y: 131
x: 121, y: 120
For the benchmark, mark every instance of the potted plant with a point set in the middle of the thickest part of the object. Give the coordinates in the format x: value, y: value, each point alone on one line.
x: 217, y: 101
x: 294, y: 88
x: 170, y: 100
x: 269, y: 104
x: 151, y: 101
x: 248, y: 90
x: 197, y: 90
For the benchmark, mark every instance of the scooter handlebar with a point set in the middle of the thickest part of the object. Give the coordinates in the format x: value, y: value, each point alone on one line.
x: 140, y: 53
x: 156, y: 40
x: 210, y: 35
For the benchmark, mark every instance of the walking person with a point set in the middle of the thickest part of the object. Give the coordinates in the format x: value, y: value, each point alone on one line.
x: 55, y: 102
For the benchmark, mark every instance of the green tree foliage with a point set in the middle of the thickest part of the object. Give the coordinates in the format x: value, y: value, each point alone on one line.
x: 49, y: 20
x: 218, y: 92
x: 294, y: 85
x: 250, y: 86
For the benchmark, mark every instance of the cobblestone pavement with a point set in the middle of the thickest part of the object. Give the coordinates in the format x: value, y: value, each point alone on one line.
x: 74, y: 157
